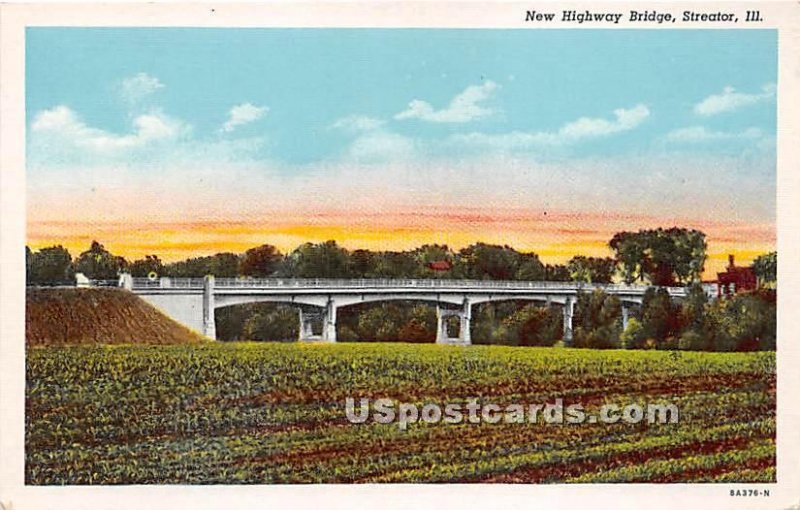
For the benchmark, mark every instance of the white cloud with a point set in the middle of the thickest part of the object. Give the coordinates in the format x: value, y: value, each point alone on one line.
x: 243, y: 114
x: 357, y: 123
x: 464, y: 107
x: 60, y: 128
x: 587, y: 127
x: 503, y: 142
x: 381, y: 146
x: 374, y: 143
x: 583, y: 128
x: 729, y: 100
x: 138, y: 87
x: 700, y: 134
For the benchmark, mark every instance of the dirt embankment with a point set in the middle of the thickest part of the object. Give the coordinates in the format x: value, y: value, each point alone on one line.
x: 98, y: 316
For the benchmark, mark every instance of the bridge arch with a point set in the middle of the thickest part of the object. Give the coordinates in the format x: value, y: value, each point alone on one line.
x: 448, y: 307
x: 419, y: 313
x: 261, y: 320
x: 223, y: 300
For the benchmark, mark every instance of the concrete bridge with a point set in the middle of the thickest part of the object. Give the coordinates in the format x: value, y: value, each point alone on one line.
x: 192, y: 301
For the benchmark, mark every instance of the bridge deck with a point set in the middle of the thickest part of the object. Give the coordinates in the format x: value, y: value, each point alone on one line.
x: 222, y: 284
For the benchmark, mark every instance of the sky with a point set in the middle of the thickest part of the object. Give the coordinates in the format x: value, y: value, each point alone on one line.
x: 187, y: 142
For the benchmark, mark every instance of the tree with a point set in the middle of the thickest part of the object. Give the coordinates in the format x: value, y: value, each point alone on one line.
x: 49, y: 266
x: 28, y: 263
x: 222, y: 265
x: 98, y: 263
x: 433, y: 253
x: 415, y: 331
x: 533, y: 325
x: 556, y: 273
x: 747, y: 322
x: 396, y: 264
x: 362, y: 264
x: 591, y: 269
x: 396, y: 321
x: 630, y: 254
x: 260, y: 262
x: 693, y: 310
x: 693, y: 323
x: 425, y: 316
x: 272, y: 323
x: 230, y: 320
x: 661, y: 321
x: 378, y: 324
x: 766, y: 268
x: 143, y: 267
x: 662, y: 256
x: 632, y: 335
x: 596, y: 320
x: 482, y: 261
x: 323, y: 260
x: 530, y: 268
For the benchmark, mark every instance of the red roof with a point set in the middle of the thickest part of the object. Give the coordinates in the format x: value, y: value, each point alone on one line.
x: 439, y: 265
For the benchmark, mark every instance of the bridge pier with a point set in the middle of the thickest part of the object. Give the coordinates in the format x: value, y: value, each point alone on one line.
x: 305, y: 332
x: 464, y: 319
x: 326, y: 314
x: 329, y: 322
x: 466, y: 322
x: 209, y: 321
x: 569, y: 310
x: 625, y: 313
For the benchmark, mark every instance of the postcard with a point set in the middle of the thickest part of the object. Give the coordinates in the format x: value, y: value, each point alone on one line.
x: 357, y: 254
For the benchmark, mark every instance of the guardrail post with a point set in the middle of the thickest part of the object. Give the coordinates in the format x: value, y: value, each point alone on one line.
x: 209, y: 323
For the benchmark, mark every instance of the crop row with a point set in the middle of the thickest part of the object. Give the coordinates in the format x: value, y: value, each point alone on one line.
x: 268, y: 413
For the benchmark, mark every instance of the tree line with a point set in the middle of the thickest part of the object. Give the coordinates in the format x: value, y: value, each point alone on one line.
x: 660, y: 257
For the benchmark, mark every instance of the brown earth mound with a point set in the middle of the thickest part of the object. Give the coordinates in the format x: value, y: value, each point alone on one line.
x: 98, y: 316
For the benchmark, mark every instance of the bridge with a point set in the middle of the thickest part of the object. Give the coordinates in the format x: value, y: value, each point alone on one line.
x: 192, y: 301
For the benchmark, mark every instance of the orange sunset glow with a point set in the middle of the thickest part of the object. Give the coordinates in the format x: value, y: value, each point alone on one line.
x: 556, y: 237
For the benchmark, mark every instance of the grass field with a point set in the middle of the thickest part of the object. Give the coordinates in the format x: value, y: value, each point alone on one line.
x: 274, y: 413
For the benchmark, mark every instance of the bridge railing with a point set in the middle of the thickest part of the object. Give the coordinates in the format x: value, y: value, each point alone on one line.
x: 356, y: 283
x: 415, y: 283
x: 382, y: 283
x: 169, y: 283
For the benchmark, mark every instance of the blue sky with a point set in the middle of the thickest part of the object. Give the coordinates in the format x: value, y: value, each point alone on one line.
x: 368, y: 135
x: 310, y: 78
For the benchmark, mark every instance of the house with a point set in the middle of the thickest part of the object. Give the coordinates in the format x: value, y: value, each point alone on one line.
x: 735, y: 279
x: 439, y: 265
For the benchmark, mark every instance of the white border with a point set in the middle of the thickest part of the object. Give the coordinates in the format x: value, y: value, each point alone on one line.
x: 14, y: 18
